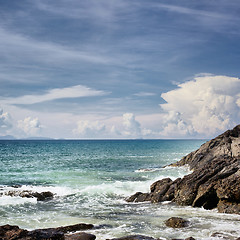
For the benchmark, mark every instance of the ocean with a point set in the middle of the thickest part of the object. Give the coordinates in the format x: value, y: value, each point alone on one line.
x: 91, y: 179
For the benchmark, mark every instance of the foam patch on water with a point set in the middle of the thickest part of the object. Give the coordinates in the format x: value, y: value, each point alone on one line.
x: 8, y: 201
x: 147, y: 170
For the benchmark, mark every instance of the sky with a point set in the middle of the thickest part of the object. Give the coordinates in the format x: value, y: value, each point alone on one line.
x: 110, y: 69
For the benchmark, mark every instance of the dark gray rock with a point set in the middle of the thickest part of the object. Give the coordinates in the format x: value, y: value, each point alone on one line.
x: 51, y: 234
x: 42, y: 196
x: 8, y: 232
x: 139, y: 197
x: 75, y: 227
x: 80, y: 236
x: 134, y: 237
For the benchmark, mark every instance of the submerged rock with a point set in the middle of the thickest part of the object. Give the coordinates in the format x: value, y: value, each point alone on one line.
x: 214, y: 182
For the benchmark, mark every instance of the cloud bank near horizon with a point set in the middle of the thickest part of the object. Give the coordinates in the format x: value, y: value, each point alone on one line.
x: 199, y: 108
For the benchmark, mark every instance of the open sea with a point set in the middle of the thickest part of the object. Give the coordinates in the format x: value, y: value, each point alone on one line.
x: 91, y: 180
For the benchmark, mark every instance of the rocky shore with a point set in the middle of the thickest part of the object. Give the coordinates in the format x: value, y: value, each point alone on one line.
x: 9, y: 232
x: 214, y: 182
x: 73, y: 232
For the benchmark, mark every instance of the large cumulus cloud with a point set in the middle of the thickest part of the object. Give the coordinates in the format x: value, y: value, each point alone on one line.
x: 202, y: 107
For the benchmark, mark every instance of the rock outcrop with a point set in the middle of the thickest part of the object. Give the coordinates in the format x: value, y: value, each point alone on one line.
x: 214, y: 182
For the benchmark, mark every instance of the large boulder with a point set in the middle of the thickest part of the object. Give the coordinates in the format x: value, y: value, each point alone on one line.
x: 161, y: 190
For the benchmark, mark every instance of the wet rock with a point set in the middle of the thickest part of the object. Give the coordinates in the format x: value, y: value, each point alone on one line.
x: 159, y: 189
x: 12, y: 232
x: 161, y: 186
x: 75, y: 227
x: 42, y: 196
x: 219, y: 235
x: 176, y: 222
x: 162, y: 190
x: 139, y: 197
x: 80, y: 236
x: 134, y: 237
x: 229, y: 188
x: 190, y: 238
x: 51, y: 234
x: 8, y: 232
x: 228, y: 207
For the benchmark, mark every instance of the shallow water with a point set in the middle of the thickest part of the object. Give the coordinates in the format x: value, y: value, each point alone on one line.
x: 91, y: 179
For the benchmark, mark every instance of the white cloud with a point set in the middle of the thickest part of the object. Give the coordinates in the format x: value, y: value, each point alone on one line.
x: 203, y: 107
x: 5, y: 121
x: 30, y: 126
x: 125, y: 127
x: 90, y: 129
x: 131, y: 126
x: 56, y: 93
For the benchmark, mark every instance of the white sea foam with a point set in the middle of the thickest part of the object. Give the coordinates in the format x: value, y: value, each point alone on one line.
x: 8, y: 201
x: 5, y: 199
x: 147, y: 170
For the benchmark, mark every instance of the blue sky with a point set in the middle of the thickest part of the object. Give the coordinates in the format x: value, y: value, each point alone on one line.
x: 119, y: 69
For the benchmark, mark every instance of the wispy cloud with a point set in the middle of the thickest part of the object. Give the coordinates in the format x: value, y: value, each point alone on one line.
x: 144, y: 94
x: 97, y: 11
x: 54, y: 94
x: 16, y: 47
x: 190, y: 11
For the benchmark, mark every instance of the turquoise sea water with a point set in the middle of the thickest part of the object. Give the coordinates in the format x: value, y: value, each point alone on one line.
x: 91, y: 179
